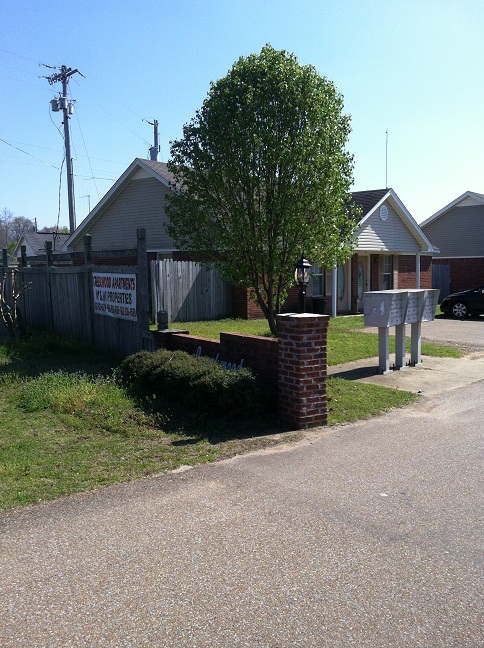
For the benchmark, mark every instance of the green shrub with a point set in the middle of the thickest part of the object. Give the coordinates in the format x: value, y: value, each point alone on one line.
x: 198, y: 383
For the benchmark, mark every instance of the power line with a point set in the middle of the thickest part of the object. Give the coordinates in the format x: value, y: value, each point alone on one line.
x: 26, y: 153
x: 114, y: 116
x: 27, y: 58
x: 87, y: 155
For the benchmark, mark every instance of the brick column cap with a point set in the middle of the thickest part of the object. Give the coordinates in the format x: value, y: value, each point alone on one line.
x: 302, y: 316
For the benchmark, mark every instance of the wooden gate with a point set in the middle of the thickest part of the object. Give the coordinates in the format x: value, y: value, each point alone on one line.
x: 188, y: 291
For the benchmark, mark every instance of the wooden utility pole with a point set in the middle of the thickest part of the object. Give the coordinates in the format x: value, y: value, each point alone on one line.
x: 62, y: 103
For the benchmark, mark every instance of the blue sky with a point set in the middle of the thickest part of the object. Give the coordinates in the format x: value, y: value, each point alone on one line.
x: 415, y: 68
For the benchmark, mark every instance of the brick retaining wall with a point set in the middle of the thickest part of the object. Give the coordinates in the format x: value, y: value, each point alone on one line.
x: 296, y: 362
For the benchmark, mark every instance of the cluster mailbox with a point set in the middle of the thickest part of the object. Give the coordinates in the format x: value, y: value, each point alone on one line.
x: 386, y: 308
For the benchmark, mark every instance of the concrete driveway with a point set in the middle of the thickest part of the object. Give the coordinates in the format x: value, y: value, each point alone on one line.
x: 468, y: 333
x: 365, y: 535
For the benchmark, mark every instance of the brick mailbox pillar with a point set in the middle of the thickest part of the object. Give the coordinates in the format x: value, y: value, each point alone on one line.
x: 303, y: 369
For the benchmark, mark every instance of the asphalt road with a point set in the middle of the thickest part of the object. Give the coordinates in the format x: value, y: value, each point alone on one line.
x: 368, y: 535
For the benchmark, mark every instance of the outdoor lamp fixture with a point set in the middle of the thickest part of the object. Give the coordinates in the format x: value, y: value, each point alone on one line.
x: 301, y: 277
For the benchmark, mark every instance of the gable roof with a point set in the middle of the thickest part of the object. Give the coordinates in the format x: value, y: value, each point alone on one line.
x: 477, y: 198
x: 371, y: 201
x: 37, y: 240
x: 158, y: 170
x: 368, y: 199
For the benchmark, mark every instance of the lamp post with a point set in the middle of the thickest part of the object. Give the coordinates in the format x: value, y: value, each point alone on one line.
x: 301, y: 277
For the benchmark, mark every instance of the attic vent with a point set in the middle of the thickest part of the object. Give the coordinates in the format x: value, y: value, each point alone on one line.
x: 383, y: 213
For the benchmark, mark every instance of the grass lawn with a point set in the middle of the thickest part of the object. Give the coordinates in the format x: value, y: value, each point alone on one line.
x: 346, y: 341
x: 67, y: 426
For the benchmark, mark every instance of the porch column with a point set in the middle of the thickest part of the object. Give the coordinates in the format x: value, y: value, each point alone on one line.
x: 334, y: 296
x: 368, y: 272
x: 349, y: 286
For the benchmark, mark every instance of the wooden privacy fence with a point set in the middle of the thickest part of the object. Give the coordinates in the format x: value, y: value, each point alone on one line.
x: 104, y: 306
x: 188, y: 291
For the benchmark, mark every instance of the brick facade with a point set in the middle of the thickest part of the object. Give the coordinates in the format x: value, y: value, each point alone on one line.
x: 464, y: 273
x: 258, y: 353
x: 407, y: 275
x: 303, y: 369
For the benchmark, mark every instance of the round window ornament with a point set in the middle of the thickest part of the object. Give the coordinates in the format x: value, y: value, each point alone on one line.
x: 383, y: 213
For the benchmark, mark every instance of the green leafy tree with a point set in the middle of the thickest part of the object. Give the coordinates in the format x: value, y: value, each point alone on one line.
x: 262, y: 174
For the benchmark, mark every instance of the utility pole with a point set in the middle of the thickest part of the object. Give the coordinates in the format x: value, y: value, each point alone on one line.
x: 88, y: 201
x: 154, y: 150
x: 386, y: 161
x: 62, y: 103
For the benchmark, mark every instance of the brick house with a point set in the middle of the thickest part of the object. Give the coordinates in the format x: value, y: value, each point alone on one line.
x: 458, y: 230
x: 391, y: 251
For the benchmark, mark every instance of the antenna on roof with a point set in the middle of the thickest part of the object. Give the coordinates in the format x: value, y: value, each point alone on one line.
x: 386, y: 161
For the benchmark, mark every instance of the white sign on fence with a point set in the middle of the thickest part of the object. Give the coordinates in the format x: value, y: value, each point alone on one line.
x: 115, y: 295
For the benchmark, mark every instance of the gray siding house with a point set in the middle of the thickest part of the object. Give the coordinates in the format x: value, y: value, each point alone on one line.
x: 391, y: 251
x: 137, y: 199
x: 458, y: 230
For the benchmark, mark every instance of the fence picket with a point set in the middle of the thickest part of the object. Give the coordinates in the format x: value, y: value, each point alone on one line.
x: 188, y: 291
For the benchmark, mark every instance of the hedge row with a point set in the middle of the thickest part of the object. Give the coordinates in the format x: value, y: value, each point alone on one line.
x: 198, y: 383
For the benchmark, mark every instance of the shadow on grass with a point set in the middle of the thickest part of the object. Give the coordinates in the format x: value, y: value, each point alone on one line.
x: 213, y: 427
x: 41, y: 353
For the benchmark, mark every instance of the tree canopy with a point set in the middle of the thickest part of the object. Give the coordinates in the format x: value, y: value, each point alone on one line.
x: 262, y: 175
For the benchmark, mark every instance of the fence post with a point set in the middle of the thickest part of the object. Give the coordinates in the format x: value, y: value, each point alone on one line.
x: 87, y: 249
x: 48, y: 252
x: 142, y: 290
x: 88, y: 291
x: 302, y: 369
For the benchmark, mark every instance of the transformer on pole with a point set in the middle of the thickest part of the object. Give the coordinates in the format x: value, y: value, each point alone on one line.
x: 155, y: 149
x: 63, y: 103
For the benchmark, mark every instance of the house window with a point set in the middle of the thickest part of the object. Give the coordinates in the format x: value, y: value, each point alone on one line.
x: 317, y: 280
x: 386, y: 272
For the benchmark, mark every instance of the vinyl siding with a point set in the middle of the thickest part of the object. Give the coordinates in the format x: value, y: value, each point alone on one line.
x: 389, y: 236
x: 459, y: 232
x: 140, y: 204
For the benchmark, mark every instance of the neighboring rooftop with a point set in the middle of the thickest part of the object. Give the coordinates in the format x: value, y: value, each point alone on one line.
x: 37, y: 240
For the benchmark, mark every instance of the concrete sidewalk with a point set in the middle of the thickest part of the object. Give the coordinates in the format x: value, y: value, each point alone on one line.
x: 433, y: 376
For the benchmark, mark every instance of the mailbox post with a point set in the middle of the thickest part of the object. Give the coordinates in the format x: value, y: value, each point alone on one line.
x: 386, y: 308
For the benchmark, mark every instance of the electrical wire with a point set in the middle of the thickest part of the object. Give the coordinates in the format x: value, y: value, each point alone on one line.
x: 87, y: 154
x: 60, y: 186
x: 56, y: 127
x: 26, y: 153
x: 114, y: 116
